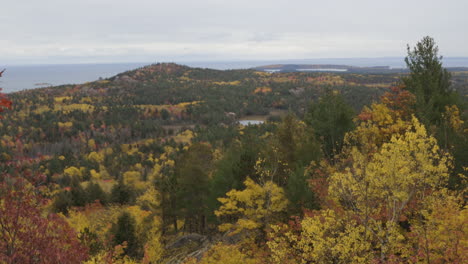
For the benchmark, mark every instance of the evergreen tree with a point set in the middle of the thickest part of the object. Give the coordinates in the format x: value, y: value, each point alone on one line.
x: 428, y: 80
x: 437, y: 105
x: 299, y: 192
x: 122, y: 194
x: 331, y: 117
x: 95, y: 193
x: 192, y: 171
x: 124, y: 231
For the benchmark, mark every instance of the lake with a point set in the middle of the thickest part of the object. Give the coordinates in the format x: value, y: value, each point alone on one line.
x: 251, y: 122
x: 20, y: 77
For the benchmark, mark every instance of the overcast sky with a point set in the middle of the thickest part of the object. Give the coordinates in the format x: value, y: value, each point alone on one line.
x: 77, y: 31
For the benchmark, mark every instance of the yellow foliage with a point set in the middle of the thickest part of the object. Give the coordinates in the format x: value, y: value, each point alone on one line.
x: 154, y: 248
x: 441, y: 232
x: 115, y: 256
x: 452, y: 115
x: 150, y: 200
x: 263, y: 89
x: 96, y: 157
x: 133, y: 178
x: 253, y: 207
x: 226, y: 254
x: 86, y: 100
x: 65, y: 125
x: 97, y: 219
x: 227, y: 83
x: 72, y: 107
x: 379, y: 124
x: 91, y: 144
x: 95, y: 175
x: 103, y: 172
x: 378, y: 188
x: 60, y: 99
x: 41, y: 109
x: 184, y: 137
x: 324, y: 238
x: 72, y: 172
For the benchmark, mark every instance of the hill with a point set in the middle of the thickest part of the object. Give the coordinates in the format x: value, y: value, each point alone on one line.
x: 152, y: 165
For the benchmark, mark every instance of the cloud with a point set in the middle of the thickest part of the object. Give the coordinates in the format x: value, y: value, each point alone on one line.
x: 49, y: 31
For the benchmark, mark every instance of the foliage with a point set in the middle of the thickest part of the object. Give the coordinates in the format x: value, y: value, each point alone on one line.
x: 428, y: 80
x: 125, y: 231
x: 226, y: 254
x: 330, y: 117
x: 323, y: 238
x: 379, y: 189
x: 28, y: 236
x: 253, y: 208
x: 152, y: 153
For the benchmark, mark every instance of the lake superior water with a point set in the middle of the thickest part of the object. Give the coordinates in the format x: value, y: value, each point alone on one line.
x: 20, y: 77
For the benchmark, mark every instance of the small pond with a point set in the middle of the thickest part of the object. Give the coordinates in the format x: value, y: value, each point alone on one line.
x: 251, y: 122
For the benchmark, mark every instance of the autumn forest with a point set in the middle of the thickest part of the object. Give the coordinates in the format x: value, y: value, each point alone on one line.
x: 153, y: 166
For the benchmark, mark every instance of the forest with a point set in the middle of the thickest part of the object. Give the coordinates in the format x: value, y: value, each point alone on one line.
x: 152, y: 166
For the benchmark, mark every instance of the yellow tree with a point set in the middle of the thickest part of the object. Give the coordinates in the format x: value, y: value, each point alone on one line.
x: 323, y: 238
x: 252, y: 208
x: 378, y: 188
x: 441, y: 232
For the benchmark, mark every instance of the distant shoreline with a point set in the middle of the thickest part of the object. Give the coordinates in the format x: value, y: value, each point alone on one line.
x: 22, y: 77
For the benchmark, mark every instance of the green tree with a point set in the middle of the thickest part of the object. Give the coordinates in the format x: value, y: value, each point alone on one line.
x: 331, y: 117
x: 124, y: 231
x: 428, y: 80
x: 299, y: 192
x: 192, y: 171
x: 122, y: 193
x: 437, y: 105
x: 95, y: 193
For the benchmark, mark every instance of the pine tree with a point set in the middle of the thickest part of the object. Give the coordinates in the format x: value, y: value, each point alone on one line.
x: 124, y: 231
x: 428, y: 80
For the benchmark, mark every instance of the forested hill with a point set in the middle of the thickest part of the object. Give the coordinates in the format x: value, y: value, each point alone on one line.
x: 161, y: 99
x: 152, y: 166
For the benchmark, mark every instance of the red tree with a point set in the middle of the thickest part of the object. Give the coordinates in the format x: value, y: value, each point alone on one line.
x: 27, y: 234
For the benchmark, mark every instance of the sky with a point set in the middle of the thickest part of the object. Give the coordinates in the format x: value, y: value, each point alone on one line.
x: 103, y: 31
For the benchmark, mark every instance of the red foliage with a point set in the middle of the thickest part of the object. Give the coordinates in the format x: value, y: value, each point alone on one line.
x: 5, y: 103
x: 29, y: 236
x: 399, y: 100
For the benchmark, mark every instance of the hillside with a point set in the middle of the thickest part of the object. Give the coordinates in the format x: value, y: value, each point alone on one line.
x: 152, y: 166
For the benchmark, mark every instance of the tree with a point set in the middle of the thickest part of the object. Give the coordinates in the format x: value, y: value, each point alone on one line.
x: 95, y: 193
x: 331, y: 117
x: 193, y: 170
x: 122, y: 193
x: 325, y: 237
x: 440, y: 232
x: 29, y: 236
x: 378, y: 188
x: 252, y: 208
x: 299, y: 192
x: 436, y: 103
x: 428, y: 80
x: 5, y: 103
x: 125, y: 231
x: 293, y: 145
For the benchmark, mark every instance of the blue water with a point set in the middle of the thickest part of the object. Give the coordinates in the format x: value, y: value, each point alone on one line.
x: 17, y: 78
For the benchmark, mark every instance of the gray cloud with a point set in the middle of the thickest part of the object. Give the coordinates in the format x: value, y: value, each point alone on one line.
x: 51, y: 31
